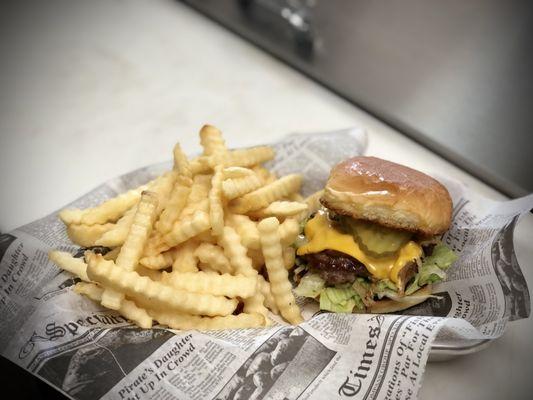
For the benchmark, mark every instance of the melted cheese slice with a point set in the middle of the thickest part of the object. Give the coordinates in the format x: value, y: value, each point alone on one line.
x: 322, y: 236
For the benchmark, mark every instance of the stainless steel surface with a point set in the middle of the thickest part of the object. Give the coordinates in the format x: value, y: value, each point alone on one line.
x: 442, y: 350
x: 456, y: 76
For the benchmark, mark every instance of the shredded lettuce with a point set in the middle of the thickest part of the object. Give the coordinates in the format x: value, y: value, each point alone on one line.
x: 310, y: 286
x: 341, y: 300
x: 433, y: 268
x: 383, y: 287
x: 430, y: 274
x: 441, y: 256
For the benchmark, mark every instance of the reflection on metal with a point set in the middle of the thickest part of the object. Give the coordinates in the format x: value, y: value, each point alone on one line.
x: 454, y: 75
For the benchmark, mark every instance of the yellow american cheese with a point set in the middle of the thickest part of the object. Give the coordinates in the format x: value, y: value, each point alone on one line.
x: 322, y: 236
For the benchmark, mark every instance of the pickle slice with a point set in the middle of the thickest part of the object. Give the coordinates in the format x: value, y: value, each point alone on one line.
x: 377, y: 240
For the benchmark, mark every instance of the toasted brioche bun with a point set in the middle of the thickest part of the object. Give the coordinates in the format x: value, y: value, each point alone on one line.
x: 390, y: 194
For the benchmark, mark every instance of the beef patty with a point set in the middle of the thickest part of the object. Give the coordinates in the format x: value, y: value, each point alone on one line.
x: 336, y: 267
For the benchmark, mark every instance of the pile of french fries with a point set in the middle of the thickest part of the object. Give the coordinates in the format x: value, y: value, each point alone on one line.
x: 206, y: 245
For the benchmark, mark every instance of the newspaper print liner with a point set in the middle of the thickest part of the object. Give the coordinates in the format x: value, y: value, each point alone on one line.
x: 88, y: 352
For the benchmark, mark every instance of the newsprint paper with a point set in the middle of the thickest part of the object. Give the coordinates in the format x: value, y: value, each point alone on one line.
x: 87, y: 352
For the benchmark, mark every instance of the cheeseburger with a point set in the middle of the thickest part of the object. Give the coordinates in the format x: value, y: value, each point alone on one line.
x: 374, y: 244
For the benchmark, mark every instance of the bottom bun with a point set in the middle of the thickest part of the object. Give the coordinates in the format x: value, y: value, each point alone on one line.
x: 389, y: 306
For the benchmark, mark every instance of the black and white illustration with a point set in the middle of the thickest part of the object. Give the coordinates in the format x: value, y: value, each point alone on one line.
x: 513, y: 283
x: 282, y: 368
x: 439, y: 305
x: 88, y: 369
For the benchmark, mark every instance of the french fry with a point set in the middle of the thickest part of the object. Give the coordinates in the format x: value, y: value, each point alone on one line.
x: 236, y: 253
x: 297, y: 197
x: 213, y: 256
x: 264, y: 287
x: 140, y: 229
x: 117, y: 235
x: 155, y: 295
x: 128, y: 309
x: 200, y: 165
x: 197, y: 200
x: 182, y: 321
x: 181, y: 162
x: 242, y: 264
x: 69, y: 263
x: 212, y: 142
x: 150, y: 273
x: 216, y: 211
x: 280, y: 286
x: 155, y: 245
x: 110, y: 210
x: 185, y: 258
x: 131, y: 250
x: 236, y: 172
x: 265, y: 195
x: 175, y: 205
x: 264, y: 174
x: 279, y: 209
x: 233, y: 188
x: 162, y: 187
x: 288, y: 231
x: 87, y: 235
x: 246, y: 228
x: 181, y: 220
x: 289, y: 257
x: 313, y: 201
x: 250, y: 157
x: 187, y: 228
x: 160, y: 261
x: 218, y: 285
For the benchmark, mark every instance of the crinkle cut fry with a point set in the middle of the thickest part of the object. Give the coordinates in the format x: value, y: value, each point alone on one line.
x: 160, y: 261
x: 265, y: 195
x: 87, y: 235
x: 213, y: 256
x: 109, y: 210
x: 237, y: 172
x: 186, y: 259
x: 181, y: 162
x: 140, y: 229
x: 176, y: 204
x: 270, y: 303
x: 198, y: 196
x: 246, y: 228
x: 233, y: 188
x: 250, y: 157
x: 212, y: 142
x: 218, y: 285
x: 156, y: 295
x: 280, y: 209
x: 131, y: 250
x: 288, y: 231
x: 187, y: 228
x: 187, y: 322
x: 280, y: 286
x: 234, y: 158
x: 216, y: 210
x: 117, y: 235
x: 242, y: 264
x: 128, y: 309
x: 69, y: 263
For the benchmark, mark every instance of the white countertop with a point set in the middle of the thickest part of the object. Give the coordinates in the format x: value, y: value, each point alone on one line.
x: 91, y: 90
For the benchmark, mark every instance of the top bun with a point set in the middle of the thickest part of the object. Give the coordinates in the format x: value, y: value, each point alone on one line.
x: 390, y: 194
